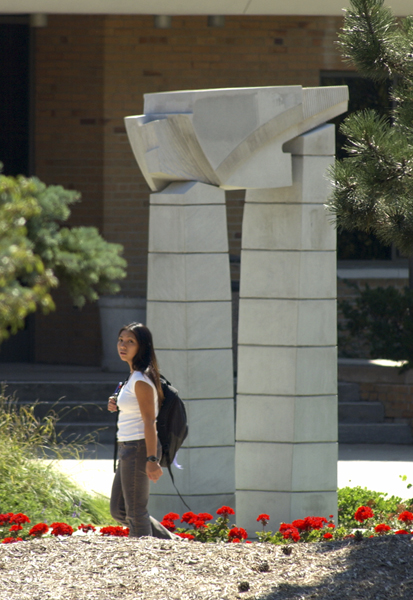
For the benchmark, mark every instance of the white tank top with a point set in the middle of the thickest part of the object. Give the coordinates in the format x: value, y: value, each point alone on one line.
x: 130, y: 423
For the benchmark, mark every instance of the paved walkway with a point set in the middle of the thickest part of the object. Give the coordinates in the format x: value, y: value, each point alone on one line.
x: 376, y: 467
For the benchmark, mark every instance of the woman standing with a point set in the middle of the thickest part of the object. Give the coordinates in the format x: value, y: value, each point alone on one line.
x: 138, y: 447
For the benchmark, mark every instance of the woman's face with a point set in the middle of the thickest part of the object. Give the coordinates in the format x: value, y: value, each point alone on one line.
x: 127, y: 346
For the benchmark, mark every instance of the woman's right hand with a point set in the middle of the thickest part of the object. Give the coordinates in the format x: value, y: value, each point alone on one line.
x: 112, y: 406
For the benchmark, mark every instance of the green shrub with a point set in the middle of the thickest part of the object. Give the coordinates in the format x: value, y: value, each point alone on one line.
x: 349, y: 499
x: 33, y: 486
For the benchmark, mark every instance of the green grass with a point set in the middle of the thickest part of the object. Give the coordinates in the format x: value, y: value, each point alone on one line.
x: 32, y: 486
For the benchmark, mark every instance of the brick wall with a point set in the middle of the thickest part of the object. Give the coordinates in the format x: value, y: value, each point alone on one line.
x: 69, y: 150
x: 92, y: 71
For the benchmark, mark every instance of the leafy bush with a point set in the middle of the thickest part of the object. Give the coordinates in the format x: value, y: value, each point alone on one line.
x: 33, y: 486
x: 37, y: 252
x: 349, y: 499
x: 381, y: 319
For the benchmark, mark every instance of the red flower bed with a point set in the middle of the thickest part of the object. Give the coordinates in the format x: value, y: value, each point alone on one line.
x: 86, y: 528
x: 116, y: 531
x: 39, y: 529
x: 237, y: 533
x: 61, y: 529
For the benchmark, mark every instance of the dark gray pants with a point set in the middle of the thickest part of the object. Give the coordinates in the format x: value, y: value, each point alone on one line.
x: 130, y: 492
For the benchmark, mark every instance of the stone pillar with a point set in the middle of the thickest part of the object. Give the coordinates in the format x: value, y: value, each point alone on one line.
x: 189, y: 314
x: 286, y: 432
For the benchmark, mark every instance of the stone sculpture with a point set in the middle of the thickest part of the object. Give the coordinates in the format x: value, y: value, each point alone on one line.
x: 272, y: 142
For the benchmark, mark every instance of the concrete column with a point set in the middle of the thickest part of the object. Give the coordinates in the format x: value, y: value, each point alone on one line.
x: 286, y: 432
x: 189, y: 314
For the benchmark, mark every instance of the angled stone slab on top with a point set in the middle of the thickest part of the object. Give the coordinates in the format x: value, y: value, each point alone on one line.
x: 310, y: 183
x: 185, y: 193
x: 317, y: 142
x: 222, y: 136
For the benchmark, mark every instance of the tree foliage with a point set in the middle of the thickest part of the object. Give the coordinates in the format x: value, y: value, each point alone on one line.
x: 373, y: 185
x: 37, y: 252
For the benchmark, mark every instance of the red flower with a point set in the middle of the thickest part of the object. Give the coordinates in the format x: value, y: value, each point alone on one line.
x: 291, y: 533
x: 188, y: 517
x: 235, y: 541
x: 10, y: 540
x: 350, y: 535
x: 16, y: 528
x: 205, y: 516
x: 406, y: 517
x: 328, y: 536
x: 363, y: 513
x: 309, y: 523
x: 19, y: 519
x: 225, y: 511
x: 402, y: 531
x: 186, y: 536
x: 237, y: 532
x: 198, y: 523
x: 264, y: 519
x: 5, y: 518
x: 171, y: 516
x: 331, y: 516
x: 39, y: 529
x: 168, y: 524
x: 116, y: 531
x: 86, y: 528
x: 331, y: 526
x: 382, y: 528
x: 61, y: 529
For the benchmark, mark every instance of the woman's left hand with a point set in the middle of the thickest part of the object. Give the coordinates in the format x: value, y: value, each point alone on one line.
x: 153, y: 471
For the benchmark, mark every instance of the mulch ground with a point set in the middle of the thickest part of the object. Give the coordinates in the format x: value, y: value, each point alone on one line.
x: 102, y: 568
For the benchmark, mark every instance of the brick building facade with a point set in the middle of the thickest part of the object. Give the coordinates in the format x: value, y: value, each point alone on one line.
x: 92, y: 71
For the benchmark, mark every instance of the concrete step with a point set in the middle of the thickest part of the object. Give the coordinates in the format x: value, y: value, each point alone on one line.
x: 80, y: 406
x: 348, y: 392
x: 360, y: 412
x: 80, y: 392
x: 374, y: 433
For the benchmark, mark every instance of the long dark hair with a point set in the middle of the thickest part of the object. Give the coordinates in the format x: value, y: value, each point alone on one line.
x: 145, y: 358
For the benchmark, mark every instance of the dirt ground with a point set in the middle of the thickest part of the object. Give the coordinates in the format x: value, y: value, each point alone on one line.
x: 109, y: 568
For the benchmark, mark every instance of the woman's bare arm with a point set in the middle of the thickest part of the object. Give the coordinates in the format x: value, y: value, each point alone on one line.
x: 145, y: 396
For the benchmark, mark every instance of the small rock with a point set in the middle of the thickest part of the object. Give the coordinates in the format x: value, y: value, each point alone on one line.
x: 243, y: 586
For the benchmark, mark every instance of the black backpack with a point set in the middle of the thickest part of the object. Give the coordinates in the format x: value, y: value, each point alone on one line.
x: 171, y: 424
